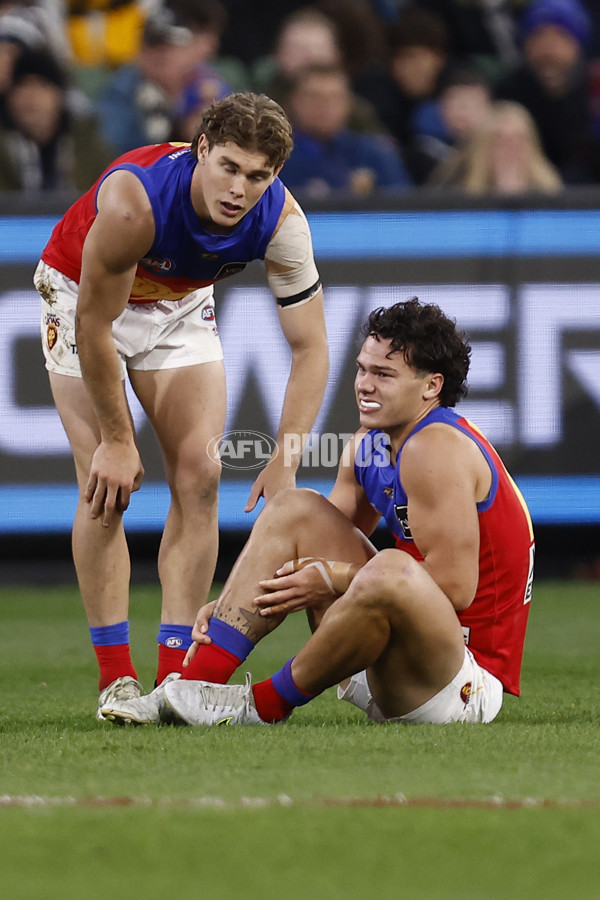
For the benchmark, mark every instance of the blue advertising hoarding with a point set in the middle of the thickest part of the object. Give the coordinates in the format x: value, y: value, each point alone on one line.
x: 523, y: 283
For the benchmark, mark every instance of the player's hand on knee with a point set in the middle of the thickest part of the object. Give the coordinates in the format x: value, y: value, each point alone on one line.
x: 273, y: 478
x: 296, y: 586
x: 115, y: 473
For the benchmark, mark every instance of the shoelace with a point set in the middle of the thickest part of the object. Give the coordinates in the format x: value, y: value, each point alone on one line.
x: 216, y: 697
x: 213, y: 696
x: 123, y: 692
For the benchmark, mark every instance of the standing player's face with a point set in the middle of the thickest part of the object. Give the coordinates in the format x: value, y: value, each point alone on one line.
x: 230, y: 182
x: 390, y: 394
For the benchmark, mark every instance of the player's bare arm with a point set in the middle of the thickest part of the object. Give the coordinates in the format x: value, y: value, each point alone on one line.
x: 348, y: 495
x: 444, y: 476
x: 121, y: 235
x: 294, y: 279
x: 304, y: 330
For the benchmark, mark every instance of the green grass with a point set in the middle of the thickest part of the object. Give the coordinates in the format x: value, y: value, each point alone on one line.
x: 325, y: 806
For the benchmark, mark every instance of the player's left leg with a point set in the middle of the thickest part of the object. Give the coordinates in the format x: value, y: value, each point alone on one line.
x: 186, y: 407
x: 395, y: 622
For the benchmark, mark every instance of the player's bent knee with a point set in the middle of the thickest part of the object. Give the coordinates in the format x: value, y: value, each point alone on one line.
x: 295, y: 503
x: 389, y: 574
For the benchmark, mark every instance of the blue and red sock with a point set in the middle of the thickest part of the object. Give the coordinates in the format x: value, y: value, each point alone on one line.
x: 276, y: 697
x: 173, y: 643
x: 218, y: 661
x: 111, y: 645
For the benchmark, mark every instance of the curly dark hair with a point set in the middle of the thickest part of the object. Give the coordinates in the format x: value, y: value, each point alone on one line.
x: 253, y: 122
x: 428, y: 341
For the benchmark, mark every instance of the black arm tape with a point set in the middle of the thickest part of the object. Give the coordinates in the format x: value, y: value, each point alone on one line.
x: 308, y: 294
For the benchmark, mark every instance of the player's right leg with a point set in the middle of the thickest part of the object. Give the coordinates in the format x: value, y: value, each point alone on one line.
x: 100, y: 554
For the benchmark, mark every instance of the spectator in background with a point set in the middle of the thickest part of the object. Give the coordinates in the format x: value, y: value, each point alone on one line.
x: 503, y: 157
x: 12, y: 41
x: 206, y: 88
x: 308, y: 37
x: 28, y: 26
x: 361, y: 35
x: 418, y: 53
x: 482, y: 32
x: 35, y: 24
x: 328, y: 155
x: 253, y: 27
x: 553, y: 83
x: 439, y: 125
x: 144, y: 100
x: 103, y: 35
x: 231, y: 69
x: 107, y: 34
x: 46, y: 143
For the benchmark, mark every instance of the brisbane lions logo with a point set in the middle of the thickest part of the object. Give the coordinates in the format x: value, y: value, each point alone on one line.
x: 52, y: 323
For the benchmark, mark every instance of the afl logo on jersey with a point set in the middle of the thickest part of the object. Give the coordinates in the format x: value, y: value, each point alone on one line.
x: 159, y: 265
x: 402, y: 516
x: 208, y: 314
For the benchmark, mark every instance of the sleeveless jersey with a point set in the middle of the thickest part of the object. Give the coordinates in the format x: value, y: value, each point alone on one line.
x: 495, y: 622
x: 184, y: 256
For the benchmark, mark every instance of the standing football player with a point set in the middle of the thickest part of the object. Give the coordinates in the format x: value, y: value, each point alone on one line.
x: 126, y: 282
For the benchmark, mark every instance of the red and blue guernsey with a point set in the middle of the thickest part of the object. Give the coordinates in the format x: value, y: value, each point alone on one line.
x: 495, y: 622
x: 184, y: 256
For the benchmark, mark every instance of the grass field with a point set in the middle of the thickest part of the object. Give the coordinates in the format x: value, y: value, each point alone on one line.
x: 326, y: 806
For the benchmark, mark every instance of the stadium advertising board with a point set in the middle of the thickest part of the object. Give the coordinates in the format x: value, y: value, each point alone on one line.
x: 523, y: 283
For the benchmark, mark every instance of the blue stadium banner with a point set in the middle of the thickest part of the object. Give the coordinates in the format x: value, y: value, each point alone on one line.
x: 524, y: 283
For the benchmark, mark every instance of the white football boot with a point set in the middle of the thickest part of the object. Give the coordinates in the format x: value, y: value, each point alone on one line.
x: 205, y: 703
x: 120, y: 690
x: 144, y: 709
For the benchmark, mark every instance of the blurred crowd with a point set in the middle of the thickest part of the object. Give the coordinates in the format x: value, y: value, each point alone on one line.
x: 476, y: 96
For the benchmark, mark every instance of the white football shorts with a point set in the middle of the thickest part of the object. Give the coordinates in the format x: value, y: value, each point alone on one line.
x: 168, y: 334
x: 473, y: 695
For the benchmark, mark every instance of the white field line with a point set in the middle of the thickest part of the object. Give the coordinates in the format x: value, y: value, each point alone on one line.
x: 282, y: 800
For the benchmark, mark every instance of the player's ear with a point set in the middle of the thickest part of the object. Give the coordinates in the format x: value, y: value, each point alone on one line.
x: 434, y: 386
x: 202, y: 150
